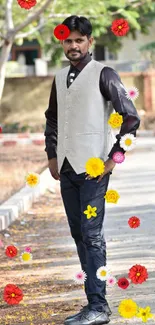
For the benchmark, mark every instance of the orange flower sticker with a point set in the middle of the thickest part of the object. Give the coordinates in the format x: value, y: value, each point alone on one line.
x: 27, y: 4
x: 138, y: 274
x: 61, y: 32
x: 12, y: 294
x: 120, y: 27
x: 134, y: 222
x: 11, y: 251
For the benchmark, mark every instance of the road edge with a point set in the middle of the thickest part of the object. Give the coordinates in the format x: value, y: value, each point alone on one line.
x: 22, y: 201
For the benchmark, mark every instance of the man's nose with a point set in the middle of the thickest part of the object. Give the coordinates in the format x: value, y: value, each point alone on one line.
x: 74, y: 45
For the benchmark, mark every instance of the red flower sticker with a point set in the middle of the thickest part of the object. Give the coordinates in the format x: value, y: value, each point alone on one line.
x: 27, y: 4
x: 11, y: 251
x: 12, y: 294
x: 120, y: 27
x: 138, y: 274
x: 123, y: 283
x: 61, y: 32
x: 134, y: 222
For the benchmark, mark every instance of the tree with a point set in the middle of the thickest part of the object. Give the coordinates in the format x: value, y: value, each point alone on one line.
x: 10, y: 32
x: 101, y: 19
x: 17, y: 23
x: 149, y: 52
x: 149, y: 49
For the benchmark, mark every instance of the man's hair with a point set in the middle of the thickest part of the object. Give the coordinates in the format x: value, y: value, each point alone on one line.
x: 80, y: 24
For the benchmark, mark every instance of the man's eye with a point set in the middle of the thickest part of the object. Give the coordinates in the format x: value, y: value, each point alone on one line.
x: 68, y: 41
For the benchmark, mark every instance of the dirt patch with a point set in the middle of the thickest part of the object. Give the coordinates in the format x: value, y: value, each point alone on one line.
x: 15, y: 163
x: 45, y: 314
x: 41, y: 282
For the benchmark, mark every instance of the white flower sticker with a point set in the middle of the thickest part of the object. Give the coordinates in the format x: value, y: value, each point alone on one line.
x: 102, y: 273
x: 128, y: 142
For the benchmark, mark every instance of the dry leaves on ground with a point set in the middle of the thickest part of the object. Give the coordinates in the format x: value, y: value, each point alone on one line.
x: 15, y: 163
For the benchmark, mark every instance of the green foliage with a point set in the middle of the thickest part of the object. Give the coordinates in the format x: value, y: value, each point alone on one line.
x: 149, y: 52
x: 106, y: 11
x: 139, y: 14
x: 148, y: 47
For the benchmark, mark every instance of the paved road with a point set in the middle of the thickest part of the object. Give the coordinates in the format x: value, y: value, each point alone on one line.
x: 135, y: 182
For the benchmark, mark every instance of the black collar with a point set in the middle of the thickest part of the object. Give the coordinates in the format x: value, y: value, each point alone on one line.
x: 82, y: 63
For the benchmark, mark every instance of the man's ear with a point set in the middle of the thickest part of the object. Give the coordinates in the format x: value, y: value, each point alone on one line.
x: 92, y: 40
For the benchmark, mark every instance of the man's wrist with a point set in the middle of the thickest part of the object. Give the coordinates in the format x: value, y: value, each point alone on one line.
x: 111, y: 161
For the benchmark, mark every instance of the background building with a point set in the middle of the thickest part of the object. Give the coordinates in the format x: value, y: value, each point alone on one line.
x: 30, y: 59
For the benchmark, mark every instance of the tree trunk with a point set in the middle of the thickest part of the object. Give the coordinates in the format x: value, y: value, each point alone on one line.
x: 5, y: 51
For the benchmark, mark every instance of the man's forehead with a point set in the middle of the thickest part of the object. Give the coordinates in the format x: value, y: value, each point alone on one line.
x: 74, y: 38
x: 75, y: 35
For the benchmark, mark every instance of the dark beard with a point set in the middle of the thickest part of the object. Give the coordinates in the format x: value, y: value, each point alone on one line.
x: 78, y: 58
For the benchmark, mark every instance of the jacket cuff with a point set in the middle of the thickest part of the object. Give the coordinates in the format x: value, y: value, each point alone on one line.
x: 51, y: 153
x: 114, y: 149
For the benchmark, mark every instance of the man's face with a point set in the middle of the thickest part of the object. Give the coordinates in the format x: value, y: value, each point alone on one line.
x: 76, y: 46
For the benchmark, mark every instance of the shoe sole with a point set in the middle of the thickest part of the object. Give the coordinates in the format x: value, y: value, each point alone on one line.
x: 74, y: 318
x: 96, y: 322
x: 102, y: 323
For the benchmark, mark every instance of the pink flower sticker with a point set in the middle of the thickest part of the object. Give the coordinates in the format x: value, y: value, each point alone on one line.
x: 111, y: 281
x: 118, y: 157
x: 1, y: 243
x: 28, y: 249
x: 132, y: 93
x: 80, y: 277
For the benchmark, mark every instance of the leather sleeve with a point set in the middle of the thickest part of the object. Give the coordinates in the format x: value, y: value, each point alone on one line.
x: 113, y: 90
x: 51, y: 124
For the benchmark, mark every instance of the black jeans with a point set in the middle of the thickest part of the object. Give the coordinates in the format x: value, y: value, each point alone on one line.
x: 88, y: 234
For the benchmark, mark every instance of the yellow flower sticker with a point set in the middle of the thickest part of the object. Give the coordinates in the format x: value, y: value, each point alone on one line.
x: 90, y: 212
x: 128, y: 308
x: 32, y: 179
x: 26, y: 257
x: 112, y: 196
x: 95, y: 167
x: 115, y: 120
x: 144, y: 314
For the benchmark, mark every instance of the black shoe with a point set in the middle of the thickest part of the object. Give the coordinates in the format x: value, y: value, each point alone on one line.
x: 107, y: 309
x: 76, y: 316
x: 90, y: 317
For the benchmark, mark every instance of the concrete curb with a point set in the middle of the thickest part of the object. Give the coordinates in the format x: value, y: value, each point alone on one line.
x: 20, y: 202
x: 11, y: 139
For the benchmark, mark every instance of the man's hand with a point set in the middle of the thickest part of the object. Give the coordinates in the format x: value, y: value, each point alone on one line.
x: 53, y: 167
x: 109, y: 166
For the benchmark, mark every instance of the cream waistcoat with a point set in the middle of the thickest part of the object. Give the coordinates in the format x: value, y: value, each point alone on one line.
x: 83, y: 130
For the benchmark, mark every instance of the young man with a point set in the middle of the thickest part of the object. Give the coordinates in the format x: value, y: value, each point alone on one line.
x: 77, y: 129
